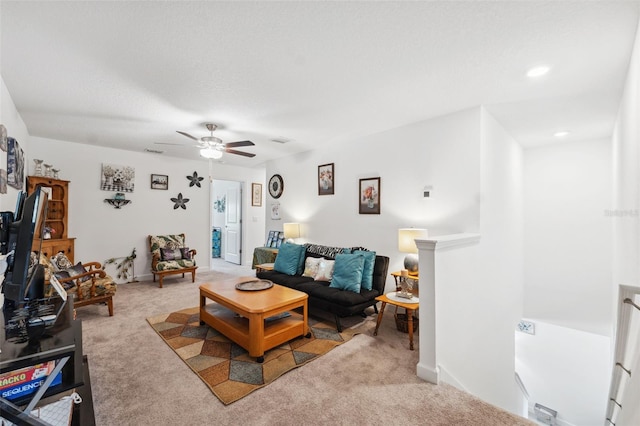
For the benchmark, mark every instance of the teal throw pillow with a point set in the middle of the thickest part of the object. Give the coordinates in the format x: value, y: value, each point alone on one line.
x: 367, y: 271
x: 347, y: 272
x: 288, y: 258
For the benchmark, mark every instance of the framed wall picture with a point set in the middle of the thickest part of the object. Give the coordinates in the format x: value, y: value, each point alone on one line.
x: 159, y: 181
x: 369, y: 196
x: 325, y: 179
x: 256, y: 194
x: 3, y: 181
x: 117, y: 178
x: 15, y: 164
x: 3, y: 138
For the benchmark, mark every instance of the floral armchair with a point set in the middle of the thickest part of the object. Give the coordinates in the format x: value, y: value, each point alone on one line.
x: 88, y: 283
x: 170, y: 255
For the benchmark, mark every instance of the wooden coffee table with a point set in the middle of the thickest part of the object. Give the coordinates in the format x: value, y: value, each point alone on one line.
x: 247, y: 317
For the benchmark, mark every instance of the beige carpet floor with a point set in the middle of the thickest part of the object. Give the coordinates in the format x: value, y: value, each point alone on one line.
x: 138, y: 380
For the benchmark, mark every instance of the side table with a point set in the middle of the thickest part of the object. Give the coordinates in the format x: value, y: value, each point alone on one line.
x: 410, y: 308
x: 264, y: 267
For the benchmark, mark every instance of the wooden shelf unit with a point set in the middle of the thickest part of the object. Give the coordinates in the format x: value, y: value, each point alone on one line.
x: 57, y: 215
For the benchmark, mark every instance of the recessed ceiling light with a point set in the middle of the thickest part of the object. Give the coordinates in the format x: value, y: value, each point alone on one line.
x: 561, y: 134
x: 538, y: 71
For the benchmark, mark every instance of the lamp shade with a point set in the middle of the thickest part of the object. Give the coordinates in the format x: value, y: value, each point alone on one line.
x: 406, y: 237
x: 291, y: 230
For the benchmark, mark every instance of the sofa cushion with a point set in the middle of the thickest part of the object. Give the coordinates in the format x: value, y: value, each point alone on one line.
x: 186, y: 253
x: 76, y: 269
x: 103, y: 286
x: 60, y: 261
x: 289, y: 258
x: 165, y: 241
x: 170, y: 254
x: 317, y: 250
x: 325, y: 270
x: 323, y: 290
x: 347, y: 273
x: 367, y: 270
x: 291, y: 281
x: 311, y: 265
x: 167, y: 265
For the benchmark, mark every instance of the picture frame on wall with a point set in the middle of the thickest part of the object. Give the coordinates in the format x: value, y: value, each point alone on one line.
x: 256, y: 194
x: 3, y: 181
x: 369, y: 196
x: 3, y: 138
x: 326, y: 179
x: 15, y: 164
x: 159, y: 182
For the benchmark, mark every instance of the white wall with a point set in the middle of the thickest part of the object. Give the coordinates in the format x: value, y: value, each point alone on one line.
x: 102, y: 232
x: 626, y: 203
x: 16, y: 128
x: 479, y: 288
x: 568, y: 236
x: 443, y: 152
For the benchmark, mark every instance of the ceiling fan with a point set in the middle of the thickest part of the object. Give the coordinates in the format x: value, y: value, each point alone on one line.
x: 213, y: 147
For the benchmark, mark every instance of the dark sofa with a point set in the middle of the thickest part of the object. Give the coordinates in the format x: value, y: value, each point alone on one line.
x: 341, y: 303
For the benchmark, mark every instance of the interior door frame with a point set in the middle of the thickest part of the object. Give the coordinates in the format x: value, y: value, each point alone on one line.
x: 241, y: 208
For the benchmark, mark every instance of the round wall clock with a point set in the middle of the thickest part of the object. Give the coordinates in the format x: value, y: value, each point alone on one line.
x: 276, y: 186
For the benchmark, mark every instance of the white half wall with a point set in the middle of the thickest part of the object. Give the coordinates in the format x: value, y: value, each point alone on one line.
x: 568, y: 235
x: 103, y: 232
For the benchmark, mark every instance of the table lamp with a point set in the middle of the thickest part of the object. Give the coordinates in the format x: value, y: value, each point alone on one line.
x: 407, y: 244
x: 291, y: 231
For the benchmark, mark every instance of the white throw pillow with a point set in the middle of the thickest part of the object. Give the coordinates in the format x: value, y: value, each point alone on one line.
x: 311, y: 267
x: 325, y: 270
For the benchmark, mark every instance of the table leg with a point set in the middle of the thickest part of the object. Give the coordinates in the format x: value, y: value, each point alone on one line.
x: 203, y: 301
x: 410, y: 319
x: 375, y: 333
x: 256, y: 336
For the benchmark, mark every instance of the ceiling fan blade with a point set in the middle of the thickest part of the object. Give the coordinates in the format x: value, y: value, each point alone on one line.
x: 237, y: 144
x: 180, y: 144
x: 188, y: 135
x: 233, y: 151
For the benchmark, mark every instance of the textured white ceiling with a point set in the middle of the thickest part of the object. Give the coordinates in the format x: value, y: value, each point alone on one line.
x: 129, y: 74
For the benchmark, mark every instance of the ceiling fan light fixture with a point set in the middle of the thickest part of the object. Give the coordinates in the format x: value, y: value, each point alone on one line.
x: 211, y: 153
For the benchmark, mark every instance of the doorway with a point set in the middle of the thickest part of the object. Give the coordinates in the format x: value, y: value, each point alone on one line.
x: 226, y: 220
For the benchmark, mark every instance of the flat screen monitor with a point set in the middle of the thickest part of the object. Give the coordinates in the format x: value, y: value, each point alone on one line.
x: 6, y: 219
x: 22, y: 282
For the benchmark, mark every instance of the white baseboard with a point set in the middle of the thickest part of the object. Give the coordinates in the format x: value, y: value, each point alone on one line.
x: 450, y: 379
x: 427, y: 373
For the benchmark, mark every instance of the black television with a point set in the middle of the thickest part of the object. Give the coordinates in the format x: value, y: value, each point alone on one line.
x: 23, y: 283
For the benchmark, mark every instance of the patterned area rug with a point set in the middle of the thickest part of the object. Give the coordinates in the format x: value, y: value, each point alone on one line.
x: 227, y: 368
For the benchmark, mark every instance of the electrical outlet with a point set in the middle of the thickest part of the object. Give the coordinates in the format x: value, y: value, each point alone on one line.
x: 527, y: 327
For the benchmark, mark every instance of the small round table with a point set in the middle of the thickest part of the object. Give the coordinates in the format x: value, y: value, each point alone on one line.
x: 410, y: 307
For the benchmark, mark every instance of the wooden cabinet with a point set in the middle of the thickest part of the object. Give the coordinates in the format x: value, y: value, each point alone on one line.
x: 55, y: 245
x: 57, y: 215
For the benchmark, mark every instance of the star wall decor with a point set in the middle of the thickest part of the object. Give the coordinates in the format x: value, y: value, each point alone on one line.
x: 195, y: 180
x: 180, y: 202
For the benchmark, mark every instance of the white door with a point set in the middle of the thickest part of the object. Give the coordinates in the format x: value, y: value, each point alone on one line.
x: 233, y: 223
